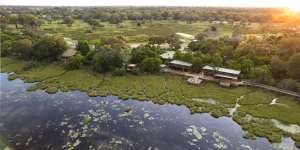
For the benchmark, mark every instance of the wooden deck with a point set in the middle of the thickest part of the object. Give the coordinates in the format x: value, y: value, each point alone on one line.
x: 244, y: 82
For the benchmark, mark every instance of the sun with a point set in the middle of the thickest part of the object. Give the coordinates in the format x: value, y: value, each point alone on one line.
x: 295, y: 8
x: 294, y: 5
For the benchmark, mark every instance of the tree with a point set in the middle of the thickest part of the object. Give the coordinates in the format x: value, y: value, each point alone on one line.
x: 197, y: 64
x: 174, y: 42
x: 233, y: 64
x: 28, y: 19
x: 217, y: 59
x: 294, y: 66
x: 83, y: 47
x: 5, y: 48
x: 289, y: 84
x: 13, y: 19
x: 151, y: 64
x: 157, y: 40
x: 278, y: 67
x: 22, y: 48
x: 289, y: 46
x: 247, y: 66
x: 107, y: 60
x: 89, y: 58
x: 75, y: 62
x: 255, y: 46
x: 205, y: 46
x: 201, y: 36
x: 262, y: 74
x: 49, y: 48
x: 140, y: 53
x: 68, y: 20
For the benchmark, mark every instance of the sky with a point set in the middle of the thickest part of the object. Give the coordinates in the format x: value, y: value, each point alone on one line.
x: 224, y: 3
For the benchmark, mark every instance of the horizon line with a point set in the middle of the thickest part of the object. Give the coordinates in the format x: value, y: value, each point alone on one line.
x: 201, y: 6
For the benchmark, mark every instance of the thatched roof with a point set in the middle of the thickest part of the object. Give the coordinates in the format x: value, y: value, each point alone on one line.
x: 69, y: 52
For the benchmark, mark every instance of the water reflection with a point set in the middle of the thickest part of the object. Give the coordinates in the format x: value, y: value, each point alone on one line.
x: 72, y: 120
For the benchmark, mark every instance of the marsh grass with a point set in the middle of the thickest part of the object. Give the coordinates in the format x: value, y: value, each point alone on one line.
x: 166, y: 88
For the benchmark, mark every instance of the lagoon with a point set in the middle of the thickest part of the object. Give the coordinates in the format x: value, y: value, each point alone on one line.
x: 73, y: 120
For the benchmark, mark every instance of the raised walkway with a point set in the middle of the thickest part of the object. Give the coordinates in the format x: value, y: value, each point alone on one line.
x: 271, y: 88
x: 245, y: 82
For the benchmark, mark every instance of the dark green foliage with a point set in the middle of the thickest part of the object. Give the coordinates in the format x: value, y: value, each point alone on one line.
x: 278, y: 67
x: 49, y: 48
x: 262, y: 74
x: 294, y: 66
x: 89, y: 58
x: 217, y: 60
x: 246, y: 66
x: 29, y: 66
x: 197, y: 64
x: 119, y: 72
x: 157, y: 40
x: 289, y: 84
x: 75, y: 62
x: 234, y: 64
x: 83, y: 47
x: 204, y: 46
x: 68, y: 20
x: 5, y: 48
x: 107, y: 60
x: 150, y: 64
x: 22, y: 48
x: 183, y: 56
x: 288, y: 47
x: 174, y: 42
x: 140, y: 53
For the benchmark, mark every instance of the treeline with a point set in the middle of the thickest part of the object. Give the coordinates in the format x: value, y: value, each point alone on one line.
x: 272, y: 59
x: 117, y: 15
x: 109, y: 55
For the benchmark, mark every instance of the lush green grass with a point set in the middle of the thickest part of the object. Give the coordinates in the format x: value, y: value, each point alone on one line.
x: 167, y: 88
x: 4, y: 144
x: 260, y: 128
x: 258, y: 97
x: 287, y: 110
x: 42, y: 72
x: 12, y: 65
x: 81, y: 30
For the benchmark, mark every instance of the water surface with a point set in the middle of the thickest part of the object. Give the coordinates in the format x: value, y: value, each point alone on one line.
x: 72, y: 120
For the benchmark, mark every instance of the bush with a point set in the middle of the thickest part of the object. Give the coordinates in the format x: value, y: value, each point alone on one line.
x: 49, y: 48
x: 83, y: 47
x: 75, y: 62
x: 107, y: 60
x: 119, y: 72
x: 5, y: 48
x: 151, y: 65
x: 288, y: 84
x: 29, y: 66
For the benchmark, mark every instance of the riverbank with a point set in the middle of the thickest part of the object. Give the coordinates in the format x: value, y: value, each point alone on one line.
x: 166, y: 88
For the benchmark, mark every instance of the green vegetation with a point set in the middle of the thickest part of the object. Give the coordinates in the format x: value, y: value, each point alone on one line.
x: 4, y: 144
x: 166, y: 88
x: 79, y: 30
x: 224, y: 37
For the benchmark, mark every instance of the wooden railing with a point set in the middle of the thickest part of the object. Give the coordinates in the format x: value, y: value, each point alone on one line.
x: 249, y: 83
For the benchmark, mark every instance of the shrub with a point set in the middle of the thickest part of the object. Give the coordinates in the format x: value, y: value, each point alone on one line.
x: 75, y: 62
x: 119, y: 72
x: 151, y: 65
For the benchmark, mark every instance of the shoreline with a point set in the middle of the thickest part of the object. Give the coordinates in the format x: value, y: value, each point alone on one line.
x: 166, y: 88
